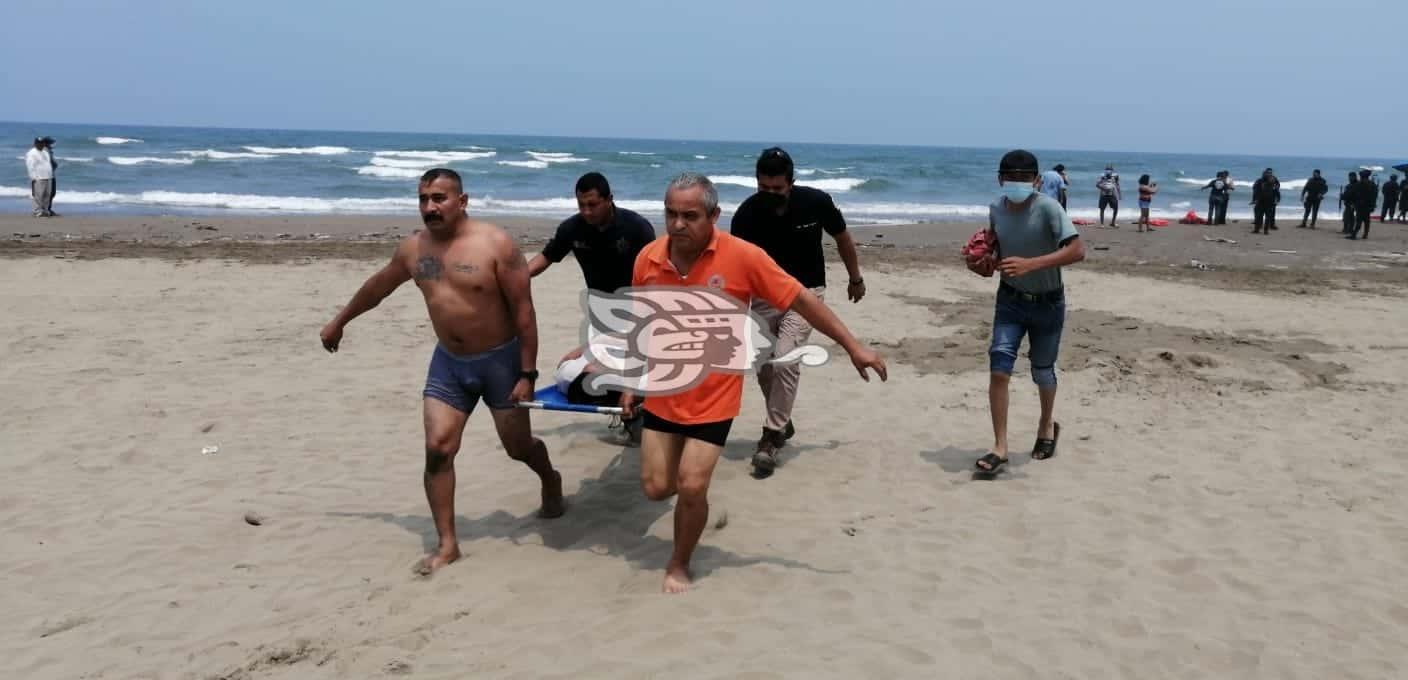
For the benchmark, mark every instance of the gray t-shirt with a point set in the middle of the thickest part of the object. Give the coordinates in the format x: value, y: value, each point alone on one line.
x: 1039, y: 229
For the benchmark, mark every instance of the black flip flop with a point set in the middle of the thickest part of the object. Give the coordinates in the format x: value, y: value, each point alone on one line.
x: 995, y: 464
x: 1046, y: 448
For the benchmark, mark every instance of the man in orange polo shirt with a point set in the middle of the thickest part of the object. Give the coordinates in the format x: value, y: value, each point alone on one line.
x: 684, y: 432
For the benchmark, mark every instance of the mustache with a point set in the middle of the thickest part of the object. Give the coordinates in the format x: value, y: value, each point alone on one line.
x: 432, y: 217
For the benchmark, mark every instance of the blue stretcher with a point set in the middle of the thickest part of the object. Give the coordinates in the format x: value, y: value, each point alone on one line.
x: 552, y: 399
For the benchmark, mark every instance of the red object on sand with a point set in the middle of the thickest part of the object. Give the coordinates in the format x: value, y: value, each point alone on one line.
x: 980, y: 252
x: 1190, y: 218
x: 1158, y: 222
x: 1082, y: 222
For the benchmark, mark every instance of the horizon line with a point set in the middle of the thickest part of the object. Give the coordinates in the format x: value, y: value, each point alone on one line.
x: 705, y: 140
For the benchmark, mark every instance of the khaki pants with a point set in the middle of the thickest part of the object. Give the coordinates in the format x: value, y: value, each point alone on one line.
x: 779, y: 381
x: 43, y: 195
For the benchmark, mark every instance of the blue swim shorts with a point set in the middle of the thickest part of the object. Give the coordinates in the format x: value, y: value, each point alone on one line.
x: 460, y: 380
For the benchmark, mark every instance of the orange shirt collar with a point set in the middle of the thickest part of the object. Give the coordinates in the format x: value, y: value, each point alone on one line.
x: 663, y: 254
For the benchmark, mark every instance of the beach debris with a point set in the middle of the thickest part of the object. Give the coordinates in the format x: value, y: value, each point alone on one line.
x: 321, y: 237
x: 207, y: 427
x: 282, y: 235
x: 722, y: 521
x: 1277, y: 266
x: 849, y: 531
x: 1085, y: 437
x: 397, y: 667
x: 1102, y: 247
x: 210, y: 450
x: 64, y: 625
x: 1282, y: 252
x: 1166, y: 355
x: 1199, y: 265
x: 253, y: 518
x: 1219, y: 239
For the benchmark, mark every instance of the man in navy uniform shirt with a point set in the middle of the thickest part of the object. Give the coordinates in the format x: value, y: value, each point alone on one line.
x: 603, y: 237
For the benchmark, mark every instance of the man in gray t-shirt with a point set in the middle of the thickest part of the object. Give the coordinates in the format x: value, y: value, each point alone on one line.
x: 1037, y: 228
x: 1035, y: 238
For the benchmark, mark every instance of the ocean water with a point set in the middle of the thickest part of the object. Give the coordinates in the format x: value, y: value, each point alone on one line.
x: 167, y: 170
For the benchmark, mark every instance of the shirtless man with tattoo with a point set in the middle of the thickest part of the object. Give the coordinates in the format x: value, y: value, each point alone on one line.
x: 476, y: 287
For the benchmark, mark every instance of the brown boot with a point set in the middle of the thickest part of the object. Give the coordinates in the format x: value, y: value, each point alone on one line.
x: 765, y: 460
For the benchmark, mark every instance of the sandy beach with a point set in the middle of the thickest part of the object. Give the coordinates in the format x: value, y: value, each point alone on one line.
x: 1226, y: 501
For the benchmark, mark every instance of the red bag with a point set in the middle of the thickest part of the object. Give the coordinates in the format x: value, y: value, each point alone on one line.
x: 980, y: 252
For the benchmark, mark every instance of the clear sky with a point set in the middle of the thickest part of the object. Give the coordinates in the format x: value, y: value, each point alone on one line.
x: 1285, y: 77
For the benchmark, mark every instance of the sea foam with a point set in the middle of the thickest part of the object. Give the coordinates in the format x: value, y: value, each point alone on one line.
x: 300, y: 151
x: 214, y: 155
x: 141, y: 160
x: 429, y: 158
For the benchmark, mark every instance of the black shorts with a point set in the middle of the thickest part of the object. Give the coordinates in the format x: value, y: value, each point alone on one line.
x: 715, y: 433
x: 1109, y: 202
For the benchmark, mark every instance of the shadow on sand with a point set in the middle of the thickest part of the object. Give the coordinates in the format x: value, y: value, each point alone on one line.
x: 608, y: 516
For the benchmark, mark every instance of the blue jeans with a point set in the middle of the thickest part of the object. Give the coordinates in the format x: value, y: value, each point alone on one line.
x: 1041, y: 320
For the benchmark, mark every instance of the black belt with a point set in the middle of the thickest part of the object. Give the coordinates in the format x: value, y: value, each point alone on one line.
x: 1058, y: 295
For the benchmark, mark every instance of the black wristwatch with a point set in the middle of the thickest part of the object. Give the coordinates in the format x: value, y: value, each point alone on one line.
x: 857, y: 282
x: 531, y: 376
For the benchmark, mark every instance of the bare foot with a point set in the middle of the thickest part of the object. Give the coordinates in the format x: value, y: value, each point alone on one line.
x: 677, y: 579
x: 433, y: 563
x: 553, y: 504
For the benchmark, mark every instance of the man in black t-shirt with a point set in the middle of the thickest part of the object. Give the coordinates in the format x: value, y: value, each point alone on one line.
x: 1391, y: 193
x: 787, y: 221
x: 603, y: 237
x: 1218, y: 198
x: 1266, y: 195
x: 1366, y: 198
x: 1311, y: 195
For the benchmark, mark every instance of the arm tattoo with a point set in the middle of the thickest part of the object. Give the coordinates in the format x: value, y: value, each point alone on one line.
x: 428, y: 267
